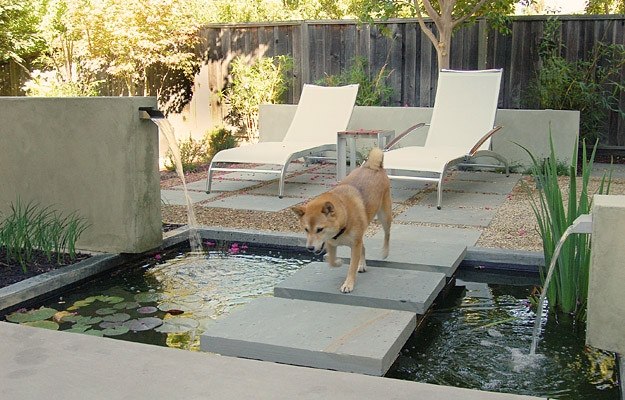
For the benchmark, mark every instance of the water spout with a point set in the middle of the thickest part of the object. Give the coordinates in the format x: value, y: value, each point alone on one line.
x: 150, y: 113
x: 582, y: 224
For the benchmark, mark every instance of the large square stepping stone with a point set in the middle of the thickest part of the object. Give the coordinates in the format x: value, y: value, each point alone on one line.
x: 447, y: 216
x: 396, y: 289
x: 320, y: 335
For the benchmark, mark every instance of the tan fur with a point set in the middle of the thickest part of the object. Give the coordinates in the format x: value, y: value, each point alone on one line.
x: 350, y: 205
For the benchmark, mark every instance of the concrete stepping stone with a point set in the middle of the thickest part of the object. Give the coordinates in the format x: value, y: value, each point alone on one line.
x: 465, y: 200
x: 219, y: 185
x: 389, y: 288
x: 257, y: 203
x: 313, y: 334
x: 305, y: 190
x: 176, y: 197
x: 447, y: 216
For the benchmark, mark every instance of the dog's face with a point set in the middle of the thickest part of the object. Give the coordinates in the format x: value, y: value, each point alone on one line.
x: 319, y: 221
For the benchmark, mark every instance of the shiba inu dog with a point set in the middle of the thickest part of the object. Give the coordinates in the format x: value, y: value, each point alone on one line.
x: 340, y: 216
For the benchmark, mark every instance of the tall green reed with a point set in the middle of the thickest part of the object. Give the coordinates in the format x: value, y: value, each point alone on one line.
x: 31, y: 228
x: 568, y: 291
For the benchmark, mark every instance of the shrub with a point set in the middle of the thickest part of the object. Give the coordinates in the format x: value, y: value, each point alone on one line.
x: 193, y: 153
x: 568, y: 290
x: 31, y: 227
x: 262, y: 82
x: 591, y: 86
x: 372, y: 91
x: 219, y: 139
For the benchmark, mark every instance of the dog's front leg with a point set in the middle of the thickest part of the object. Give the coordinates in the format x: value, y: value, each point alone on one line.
x: 331, y: 256
x: 350, y: 281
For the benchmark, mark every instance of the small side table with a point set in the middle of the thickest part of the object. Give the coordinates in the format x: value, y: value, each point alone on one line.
x: 342, y: 138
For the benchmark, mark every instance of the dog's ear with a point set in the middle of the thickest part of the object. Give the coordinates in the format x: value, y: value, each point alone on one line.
x: 299, y: 210
x: 328, y: 208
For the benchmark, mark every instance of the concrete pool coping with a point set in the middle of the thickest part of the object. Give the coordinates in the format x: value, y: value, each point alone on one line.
x: 38, y: 361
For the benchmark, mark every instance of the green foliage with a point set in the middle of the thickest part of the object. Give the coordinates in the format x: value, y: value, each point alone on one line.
x: 264, y: 81
x: 372, y: 91
x: 219, y: 139
x: 568, y: 290
x: 19, y: 33
x: 32, y: 227
x: 591, y: 86
x: 50, y: 84
x: 605, y: 6
x: 193, y: 153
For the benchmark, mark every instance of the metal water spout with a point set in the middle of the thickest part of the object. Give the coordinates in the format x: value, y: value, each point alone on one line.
x: 150, y: 113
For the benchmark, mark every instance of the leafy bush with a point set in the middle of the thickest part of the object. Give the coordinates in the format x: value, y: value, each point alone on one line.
x: 193, y: 153
x: 219, y: 139
x: 31, y: 227
x: 50, y: 84
x: 372, y: 91
x: 262, y: 82
x: 591, y: 86
x: 568, y: 290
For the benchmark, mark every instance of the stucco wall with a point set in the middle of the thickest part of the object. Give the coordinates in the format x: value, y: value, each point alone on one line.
x: 606, y: 298
x: 529, y: 128
x: 91, y: 155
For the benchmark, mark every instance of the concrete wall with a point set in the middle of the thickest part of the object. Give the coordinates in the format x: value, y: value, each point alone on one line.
x: 91, y: 155
x: 606, y: 297
x: 530, y: 128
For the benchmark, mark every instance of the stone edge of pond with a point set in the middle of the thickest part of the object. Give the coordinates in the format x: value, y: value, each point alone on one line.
x: 40, y: 285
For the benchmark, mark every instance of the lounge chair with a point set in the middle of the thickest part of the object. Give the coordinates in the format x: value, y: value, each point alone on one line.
x: 321, y: 113
x: 460, y: 129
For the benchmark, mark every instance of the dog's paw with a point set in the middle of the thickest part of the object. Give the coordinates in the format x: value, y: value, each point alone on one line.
x: 362, y: 267
x: 337, y: 262
x: 347, y: 287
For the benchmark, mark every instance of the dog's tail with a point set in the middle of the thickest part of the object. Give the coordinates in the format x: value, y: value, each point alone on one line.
x: 375, y: 159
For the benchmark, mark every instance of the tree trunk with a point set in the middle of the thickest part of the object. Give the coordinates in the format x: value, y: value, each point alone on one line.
x: 442, y: 50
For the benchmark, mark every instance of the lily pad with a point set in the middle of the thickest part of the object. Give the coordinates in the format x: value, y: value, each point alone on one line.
x: 105, y: 311
x: 43, y: 324
x: 115, y: 331
x: 147, y: 310
x: 126, y: 305
x: 117, y: 317
x: 82, y: 320
x: 109, y: 324
x: 78, y: 328
x: 177, y: 325
x: 146, y: 297
x: 143, y: 324
x: 39, y: 314
x: 94, y: 332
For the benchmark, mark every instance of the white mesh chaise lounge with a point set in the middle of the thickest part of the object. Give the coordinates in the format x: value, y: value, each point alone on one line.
x: 320, y: 114
x: 460, y: 129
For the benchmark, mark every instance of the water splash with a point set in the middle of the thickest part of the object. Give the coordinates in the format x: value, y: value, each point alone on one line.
x: 168, y: 132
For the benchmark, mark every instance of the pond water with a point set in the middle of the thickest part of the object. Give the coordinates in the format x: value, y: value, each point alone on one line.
x: 478, y: 337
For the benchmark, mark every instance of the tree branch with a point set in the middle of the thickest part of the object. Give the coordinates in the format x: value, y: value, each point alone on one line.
x: 473, y: 11
x: 428, y: 32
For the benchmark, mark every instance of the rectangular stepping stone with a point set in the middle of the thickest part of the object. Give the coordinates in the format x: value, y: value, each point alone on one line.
x: 464, y: 199
x: 394, y: 289
x: 319, y: 179
x: 256, y: 203
x: 305, y: 190
x: 480, y: 186
x: 220, y: 185
x: 412, y: 254
x: 339, y: 337
x: 176, y: 197
x: 447, y: 216
x: 413, y: 236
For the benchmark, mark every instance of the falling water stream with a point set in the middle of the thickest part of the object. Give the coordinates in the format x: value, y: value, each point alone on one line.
x: 574, y: 228
x: 168, y: 132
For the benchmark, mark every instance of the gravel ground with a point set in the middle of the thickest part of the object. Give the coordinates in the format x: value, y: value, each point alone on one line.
x: 514, y: 226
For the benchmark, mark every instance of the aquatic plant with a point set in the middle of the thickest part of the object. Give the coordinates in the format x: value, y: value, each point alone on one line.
x: 31, y: 228
x: 568, y: 292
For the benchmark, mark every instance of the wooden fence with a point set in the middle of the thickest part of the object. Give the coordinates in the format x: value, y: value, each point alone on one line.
x: 329, y: 47
x: 320, y: 48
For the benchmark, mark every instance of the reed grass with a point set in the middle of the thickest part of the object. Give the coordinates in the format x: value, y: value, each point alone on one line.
x: 31, y: 228
x: 568, y: 291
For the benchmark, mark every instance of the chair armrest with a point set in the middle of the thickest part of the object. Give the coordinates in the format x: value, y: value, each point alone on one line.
x: 483, y: 139
x: 401, y: 135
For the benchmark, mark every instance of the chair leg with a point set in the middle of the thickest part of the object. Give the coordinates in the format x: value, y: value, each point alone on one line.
x: 282, y: 176
x: 209, y: 178
x: 439, y: 193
